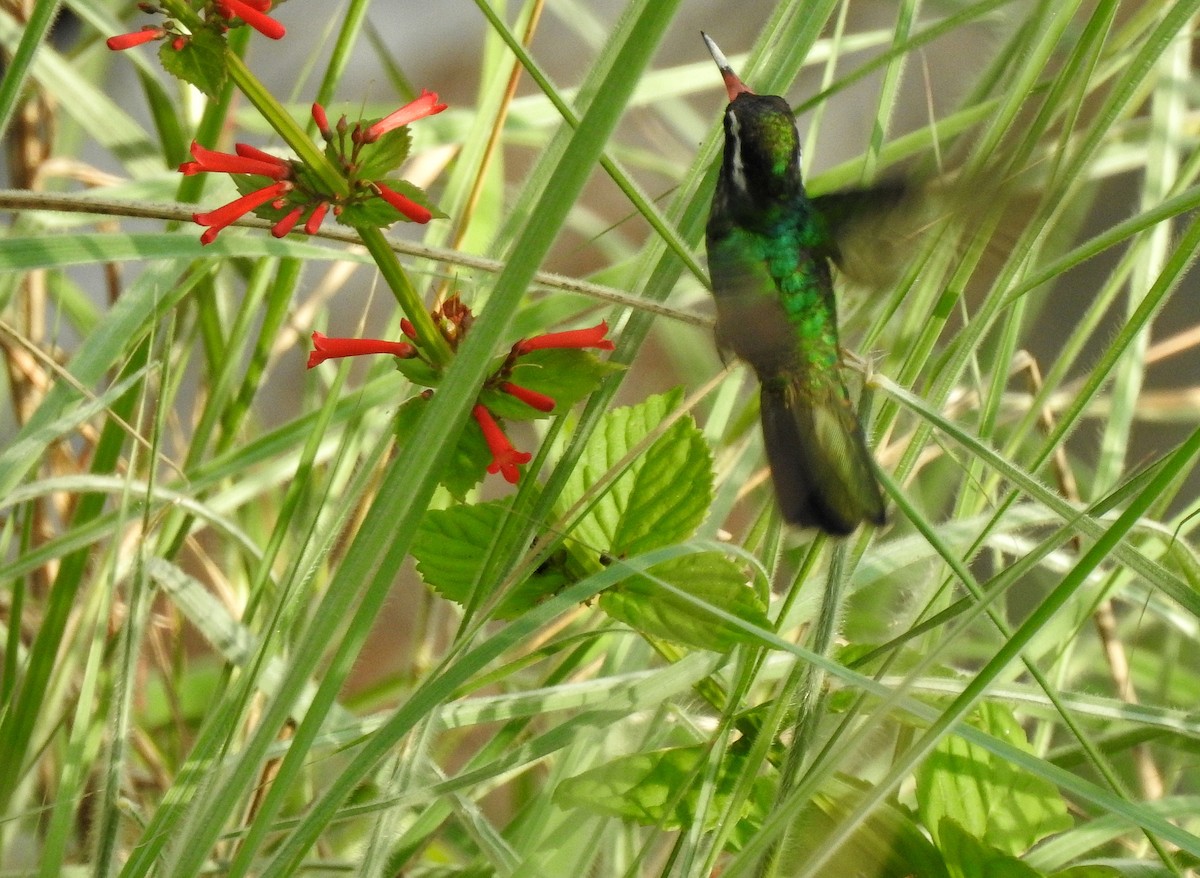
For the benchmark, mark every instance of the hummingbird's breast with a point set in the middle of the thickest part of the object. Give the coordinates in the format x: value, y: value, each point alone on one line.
x: 774, y: 296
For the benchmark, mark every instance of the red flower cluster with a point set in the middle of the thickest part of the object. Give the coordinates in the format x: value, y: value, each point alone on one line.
x: 297, y: 193
x: 253, y: 162
x: 452, y: 318
x: 350, y: 155
x: 222, y: 13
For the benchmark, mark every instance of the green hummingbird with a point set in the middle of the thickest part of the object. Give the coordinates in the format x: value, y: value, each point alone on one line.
x: 769, y: 252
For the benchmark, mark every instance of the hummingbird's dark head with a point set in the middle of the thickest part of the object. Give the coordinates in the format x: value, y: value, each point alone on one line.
x: 762, y: 147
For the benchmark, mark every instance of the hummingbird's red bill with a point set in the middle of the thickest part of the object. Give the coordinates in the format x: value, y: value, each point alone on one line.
x: 733, y: 85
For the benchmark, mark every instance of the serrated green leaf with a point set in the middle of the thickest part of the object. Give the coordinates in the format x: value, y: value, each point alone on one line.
x: 450, y: 544
x: 564, y: 375
x: 378, y: 213
x: 990, y: 798
x: 380, y: 158
x: 199, y: 61
x: 418, y: 371
x: 968, y: 857
x: 643, y: 604
x: 449, y: 549
x: 664, y: 494
x: 471, y: 455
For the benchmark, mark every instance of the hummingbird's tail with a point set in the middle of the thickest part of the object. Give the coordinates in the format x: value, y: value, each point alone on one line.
x: 824, y: 475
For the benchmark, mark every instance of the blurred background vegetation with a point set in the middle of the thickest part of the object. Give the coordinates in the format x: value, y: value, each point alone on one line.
x: 215, y: 658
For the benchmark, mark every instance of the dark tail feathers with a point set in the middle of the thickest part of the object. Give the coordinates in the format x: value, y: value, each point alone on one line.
x: 824, y: 475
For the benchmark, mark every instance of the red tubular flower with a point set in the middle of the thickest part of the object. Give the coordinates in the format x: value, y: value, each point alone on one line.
x: 127, y: 41
x: 254, y: 14
x: 539, y: 401
x: 315, y: 218
x: 406, y: 206
x: 247, y: 151
x: 318, y: 114
x: 407, y: 328
x: 592, y: 337
x: 505, y: 458
x: 222, y: 216
x: 326, y: 348
x: 285, y: 225
x: 247, y: 161
x: 426, y: 105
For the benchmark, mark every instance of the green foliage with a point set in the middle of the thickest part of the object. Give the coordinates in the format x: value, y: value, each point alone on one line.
x: 660, y: 788
x: 659, y: 497
x: 968, y: 857
x: 220, y: 654
x: 380, y: 158
x: 889, y: 844
x: 469, y: 459
x: 199, y: 61
x: 452, y: 545
x: 1003, y: 805
x: 708, y: 577
x: 566, y: 376
x: 378, y: 213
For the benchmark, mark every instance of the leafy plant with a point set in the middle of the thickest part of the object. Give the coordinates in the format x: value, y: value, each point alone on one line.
x: 512, y: 596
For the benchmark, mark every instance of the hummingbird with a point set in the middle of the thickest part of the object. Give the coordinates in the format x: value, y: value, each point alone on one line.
x: 770, y: 248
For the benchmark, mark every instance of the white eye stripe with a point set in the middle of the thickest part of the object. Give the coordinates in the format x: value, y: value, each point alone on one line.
x: 735, y: 143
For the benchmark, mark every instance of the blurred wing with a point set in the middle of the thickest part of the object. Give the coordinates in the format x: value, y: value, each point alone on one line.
x: 875, y: 230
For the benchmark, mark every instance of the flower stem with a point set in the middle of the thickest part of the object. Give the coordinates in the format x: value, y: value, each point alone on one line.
x: 283, y: 123
x: 432, y: 344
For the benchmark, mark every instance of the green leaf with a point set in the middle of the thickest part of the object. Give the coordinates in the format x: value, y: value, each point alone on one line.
x: 887, y: 844
x: 661, y: 498
x: 968, y: 857
x: 643, y: 604
x: 372, y: 210
x: 418, y: 371
x: 380, y: 158
x: 564, y: 375
x: 449, y: 549
x: 309, y: 185
x: 1003, y: 805
x: 471, y: 455
x: 658, y: 788
x: 200, y: 61
x: 1103, y: 870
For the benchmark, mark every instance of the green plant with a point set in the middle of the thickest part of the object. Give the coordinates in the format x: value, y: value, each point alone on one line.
x: 625, y: 664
